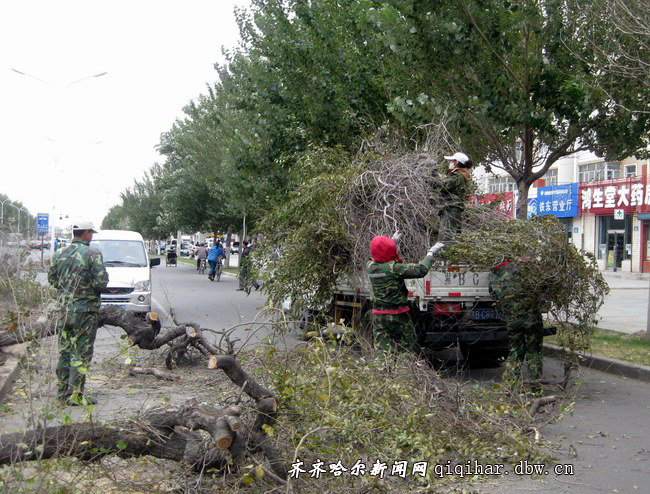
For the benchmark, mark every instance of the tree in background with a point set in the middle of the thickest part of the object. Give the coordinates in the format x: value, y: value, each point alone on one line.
x: 10, y: 216
x: 522, y: 86
x: 519, y: 86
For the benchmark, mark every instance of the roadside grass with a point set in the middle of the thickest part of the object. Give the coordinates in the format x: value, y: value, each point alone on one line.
x: 633, y: 348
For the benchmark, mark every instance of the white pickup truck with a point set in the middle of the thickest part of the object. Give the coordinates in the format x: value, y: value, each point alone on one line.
x: 450, y: 305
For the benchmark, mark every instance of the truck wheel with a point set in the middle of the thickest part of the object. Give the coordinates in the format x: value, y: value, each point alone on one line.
x: 483, y: 356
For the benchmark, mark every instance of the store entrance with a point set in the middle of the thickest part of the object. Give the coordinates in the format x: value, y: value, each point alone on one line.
x: 615, y: 248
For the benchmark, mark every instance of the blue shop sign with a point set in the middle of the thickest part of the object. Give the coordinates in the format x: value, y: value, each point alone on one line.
x: 532, y: 208
x: 558, y: 200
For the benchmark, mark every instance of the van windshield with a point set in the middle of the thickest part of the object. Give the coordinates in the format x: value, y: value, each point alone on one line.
x: 129, y: 253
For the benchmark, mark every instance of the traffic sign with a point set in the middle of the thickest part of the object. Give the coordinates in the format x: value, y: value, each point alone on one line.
x: 42, y: 222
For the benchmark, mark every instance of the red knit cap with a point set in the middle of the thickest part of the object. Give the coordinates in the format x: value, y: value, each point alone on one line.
x: 383, y: 249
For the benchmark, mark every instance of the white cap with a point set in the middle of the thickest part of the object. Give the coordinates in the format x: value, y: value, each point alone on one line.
x: 84, y: 225
x: 460, y: 157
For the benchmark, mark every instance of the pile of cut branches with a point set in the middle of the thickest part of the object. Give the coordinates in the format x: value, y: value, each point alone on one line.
x: 322, y: 234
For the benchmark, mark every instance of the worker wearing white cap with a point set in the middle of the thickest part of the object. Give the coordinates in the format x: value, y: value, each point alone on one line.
x: 453, y: 194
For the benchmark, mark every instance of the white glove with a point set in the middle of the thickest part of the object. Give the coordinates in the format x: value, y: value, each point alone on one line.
x: 435, y: 249
x: 397, y: 237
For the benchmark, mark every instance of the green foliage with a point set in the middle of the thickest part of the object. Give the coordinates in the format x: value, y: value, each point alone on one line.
x: 568, y: 283
x: 523, y: 84
x: 341, y: 404
x: 306, y: 248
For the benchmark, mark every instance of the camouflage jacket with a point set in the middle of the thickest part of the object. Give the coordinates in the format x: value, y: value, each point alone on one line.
x: 454, y: 189
x: 387, y: 280
x: 78, y: 274
x: 520, y: 305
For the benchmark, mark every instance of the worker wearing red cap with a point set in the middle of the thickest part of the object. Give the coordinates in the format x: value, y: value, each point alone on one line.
x: 391, y: 322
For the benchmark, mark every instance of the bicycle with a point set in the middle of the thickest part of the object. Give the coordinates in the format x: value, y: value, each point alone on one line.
x: 219, y: 269
x: 202, y: 266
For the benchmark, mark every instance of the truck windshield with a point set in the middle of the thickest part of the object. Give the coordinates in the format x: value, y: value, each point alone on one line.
x: 129, y: 253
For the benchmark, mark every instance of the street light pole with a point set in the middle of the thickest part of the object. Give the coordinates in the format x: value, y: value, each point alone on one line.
x: 2, y: 211
x: 19, y: 210
x: 100, y: 74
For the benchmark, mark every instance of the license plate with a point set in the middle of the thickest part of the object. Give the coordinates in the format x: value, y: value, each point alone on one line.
x: 485, y: 314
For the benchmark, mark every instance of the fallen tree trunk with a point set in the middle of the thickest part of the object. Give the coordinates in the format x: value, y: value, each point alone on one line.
x: 141, y: 333
x: 163, y: 433
x: 144, y: 333
x: 168, y: 432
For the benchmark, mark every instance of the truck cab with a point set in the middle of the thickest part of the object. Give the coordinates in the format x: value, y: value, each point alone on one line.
x: 129, y: 269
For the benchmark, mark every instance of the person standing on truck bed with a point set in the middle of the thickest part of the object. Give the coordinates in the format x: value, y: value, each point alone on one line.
x: 521, y: 308
x: 454, y: 191
x: 391, y: 322
x: 78, y: 274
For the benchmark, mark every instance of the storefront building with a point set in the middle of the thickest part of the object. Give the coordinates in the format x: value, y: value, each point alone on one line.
x: 560, y: 201
x: 614, y: 222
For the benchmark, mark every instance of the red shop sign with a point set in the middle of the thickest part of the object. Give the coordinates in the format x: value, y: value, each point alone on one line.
x: 506, y: 202
x: 602, y: 198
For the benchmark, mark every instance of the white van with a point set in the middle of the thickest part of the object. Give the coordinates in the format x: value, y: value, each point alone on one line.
x: 128, y: 267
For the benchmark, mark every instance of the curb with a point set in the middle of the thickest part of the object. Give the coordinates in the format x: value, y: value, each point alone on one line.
x: 603, y: 364
x: 9, y: 371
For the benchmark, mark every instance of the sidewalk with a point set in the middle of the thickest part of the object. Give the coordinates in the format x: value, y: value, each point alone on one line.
x: 626, y: 307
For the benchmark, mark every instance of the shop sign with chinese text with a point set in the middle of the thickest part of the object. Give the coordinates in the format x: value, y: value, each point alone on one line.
x: 506, y: 202
x: 602, y: 198
x: 558, y: 200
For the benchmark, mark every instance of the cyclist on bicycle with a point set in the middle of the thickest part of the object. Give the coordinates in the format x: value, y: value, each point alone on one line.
x: 201, y: 254
x: 216, y: 253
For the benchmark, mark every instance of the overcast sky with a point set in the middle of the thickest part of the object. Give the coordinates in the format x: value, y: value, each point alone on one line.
x: 76, y: 147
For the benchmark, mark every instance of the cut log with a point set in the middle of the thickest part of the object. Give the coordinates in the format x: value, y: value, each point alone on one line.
x: 92, y: 441
x: 235, y: 423
x: 222, y: 433
x: 234, y: 371
x: 164, y: 432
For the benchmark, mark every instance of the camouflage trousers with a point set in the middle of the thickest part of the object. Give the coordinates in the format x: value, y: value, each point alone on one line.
x: 450, y: 225
x: 526, y: 345
x: 77, y: 332
x: 394, y: 330
x: 243, y: 276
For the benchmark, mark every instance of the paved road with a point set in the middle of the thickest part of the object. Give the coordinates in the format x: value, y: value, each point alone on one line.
x: 606, y: 439
x: 215, y: 305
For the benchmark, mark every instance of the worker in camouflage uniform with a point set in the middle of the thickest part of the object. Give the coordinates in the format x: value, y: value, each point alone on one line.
x: 454, y: 191
x: 521, y: 308
x: 77, y: 272
x: 391, y: 322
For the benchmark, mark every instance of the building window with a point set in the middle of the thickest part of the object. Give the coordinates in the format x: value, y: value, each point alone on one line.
x: 599, y: 171
x: 551, y: 177
x: 630, y: 170
x: 503, y: 183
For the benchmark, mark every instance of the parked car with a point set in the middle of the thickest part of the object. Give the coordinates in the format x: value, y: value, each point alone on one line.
x: 37, y: 244
x: 128, y: 266
x: 185, y: 249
